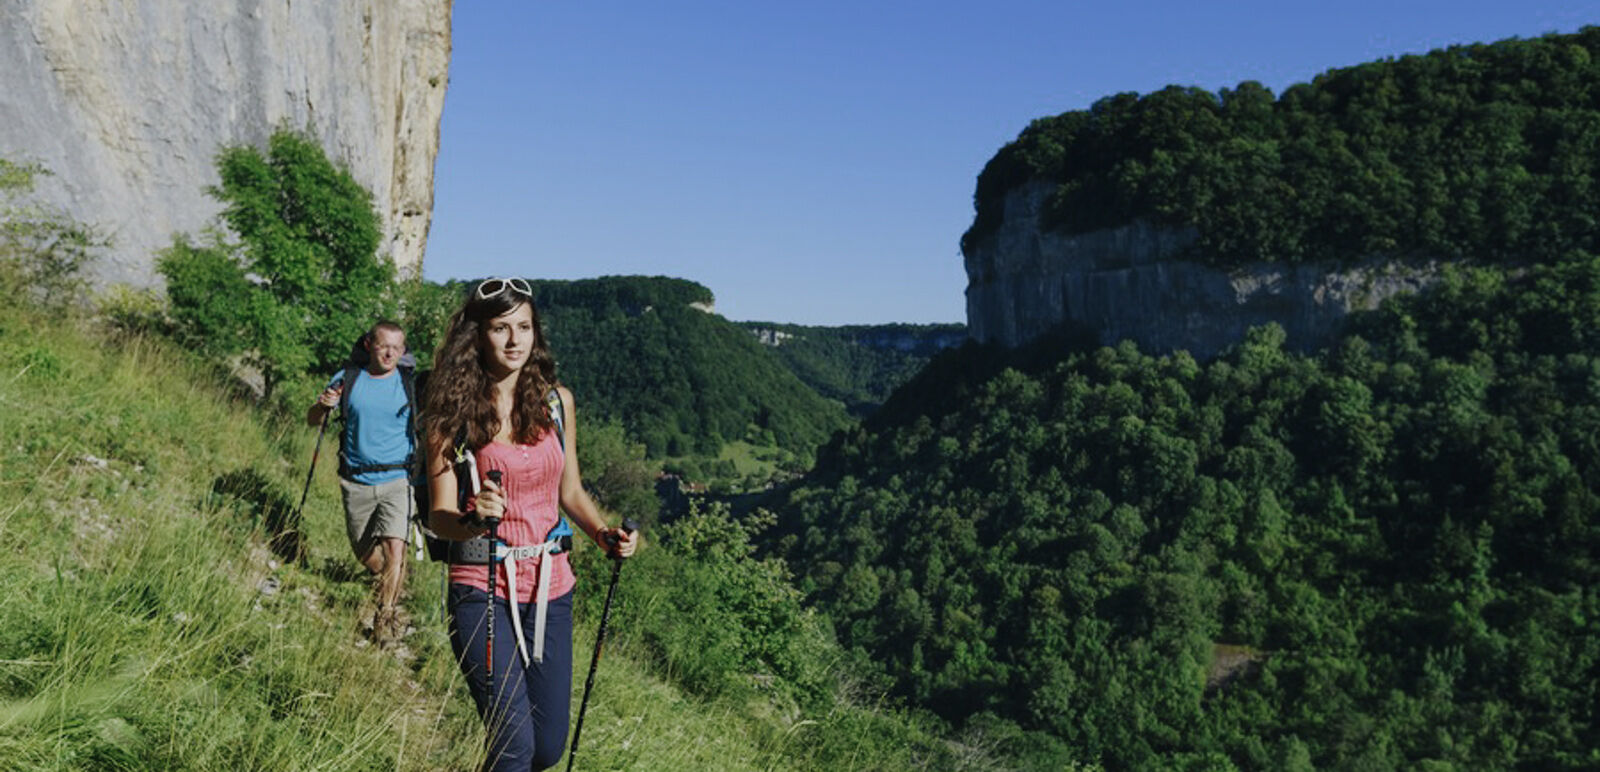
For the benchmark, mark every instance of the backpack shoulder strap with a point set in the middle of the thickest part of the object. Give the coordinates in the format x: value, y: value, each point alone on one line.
x: 352, y: 371
x: 408, y: 382
x: 558, y: 413
x: 353, y: 365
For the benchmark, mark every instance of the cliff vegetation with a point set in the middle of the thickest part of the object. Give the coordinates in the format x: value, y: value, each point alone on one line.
x: 1483, y: 151
x: 1376, y: 554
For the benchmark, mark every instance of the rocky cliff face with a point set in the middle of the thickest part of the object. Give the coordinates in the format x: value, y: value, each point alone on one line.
x: 917, y: 340
x: 1022, y: 282
x: 924, y: 342
x: 128, y: 101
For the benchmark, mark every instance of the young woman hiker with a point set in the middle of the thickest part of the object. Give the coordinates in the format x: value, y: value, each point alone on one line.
x: 493, y: 394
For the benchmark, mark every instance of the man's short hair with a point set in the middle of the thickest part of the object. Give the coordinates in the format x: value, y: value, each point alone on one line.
x: 384, y: 325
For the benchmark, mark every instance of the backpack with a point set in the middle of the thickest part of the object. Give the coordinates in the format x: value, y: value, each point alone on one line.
x: 358, y: 361
x: 476, y: 551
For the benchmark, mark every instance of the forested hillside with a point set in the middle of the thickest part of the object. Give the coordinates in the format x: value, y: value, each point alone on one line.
x: 644, y: 351
x: 1379, y: 555
x: 858, y: 365
x: 681, y: 379
x: 1481, y: 151
x: 1384, y: 552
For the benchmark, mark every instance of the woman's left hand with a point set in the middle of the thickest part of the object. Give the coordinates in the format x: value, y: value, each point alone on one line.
x: 622, y: 543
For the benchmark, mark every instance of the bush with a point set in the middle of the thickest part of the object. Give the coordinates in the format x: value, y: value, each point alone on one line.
x: 303, y: 280
x: 725, y: 623
x: 43, y: 252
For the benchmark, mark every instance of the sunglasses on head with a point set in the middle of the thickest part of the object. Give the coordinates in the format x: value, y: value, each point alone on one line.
x: 489, y: 288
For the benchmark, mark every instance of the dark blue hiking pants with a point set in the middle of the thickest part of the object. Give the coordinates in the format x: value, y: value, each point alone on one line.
x: 527, y: 723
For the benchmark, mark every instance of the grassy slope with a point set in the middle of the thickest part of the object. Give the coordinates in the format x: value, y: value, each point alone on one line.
x: 147, y: 625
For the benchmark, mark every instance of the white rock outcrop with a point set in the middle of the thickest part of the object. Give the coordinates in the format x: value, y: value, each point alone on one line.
x: 126, y: 103
x: 1023, y: 281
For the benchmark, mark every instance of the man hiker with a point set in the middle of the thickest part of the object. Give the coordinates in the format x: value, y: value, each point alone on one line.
x: 376, y: 450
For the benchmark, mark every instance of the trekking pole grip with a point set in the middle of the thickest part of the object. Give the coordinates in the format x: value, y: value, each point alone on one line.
x: 629, y: 525
x: 494, y: 477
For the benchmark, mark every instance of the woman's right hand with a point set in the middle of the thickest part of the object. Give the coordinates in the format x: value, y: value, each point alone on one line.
x: 491, y: 501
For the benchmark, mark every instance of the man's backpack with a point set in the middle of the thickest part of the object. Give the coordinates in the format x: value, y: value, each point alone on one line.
x: 358, y: 361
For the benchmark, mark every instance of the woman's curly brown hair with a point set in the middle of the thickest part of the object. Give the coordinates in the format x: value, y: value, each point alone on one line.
x: 460, y: 392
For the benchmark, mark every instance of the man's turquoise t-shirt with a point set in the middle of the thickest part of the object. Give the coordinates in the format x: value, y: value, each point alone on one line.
x: 375, y: 430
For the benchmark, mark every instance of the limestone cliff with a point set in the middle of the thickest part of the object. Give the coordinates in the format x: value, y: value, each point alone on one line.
x: 128, y: 101
x: 1123, y: 282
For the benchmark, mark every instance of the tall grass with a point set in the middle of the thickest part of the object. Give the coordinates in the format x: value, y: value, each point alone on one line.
x: 148, y: 626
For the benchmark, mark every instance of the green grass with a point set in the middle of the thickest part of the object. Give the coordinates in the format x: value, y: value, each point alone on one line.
x: 738, y: 466
x: 148, y: 626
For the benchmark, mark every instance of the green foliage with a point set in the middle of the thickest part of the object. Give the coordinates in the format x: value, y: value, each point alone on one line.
x: 858, y: 365
x: 682, y: 380
x: 616, y: 472
x: 626, y: 295
x: 136, y: 310
x: 303, y: 280
x: 43, y: 252
x: 211, y: 300
x: 750, y: 633
x: 148, y: 626
x: 425, y: 309
x: 1378, y: 556
x: 1481, y: 150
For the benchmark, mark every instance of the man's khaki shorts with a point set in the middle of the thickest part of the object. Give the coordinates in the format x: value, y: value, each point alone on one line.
x: 373, y: 512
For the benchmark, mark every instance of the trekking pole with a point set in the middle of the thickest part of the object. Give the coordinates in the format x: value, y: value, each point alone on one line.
x: 488, y: 641
x: 315, y: 452
x: 629, y: 525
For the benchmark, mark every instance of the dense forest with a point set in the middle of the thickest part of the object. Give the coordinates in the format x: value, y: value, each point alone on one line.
x: 683, y: 380
x: 1385, y: 552
x: 1481, y: 151
x: 1378, y: 555
x: 859, y: 365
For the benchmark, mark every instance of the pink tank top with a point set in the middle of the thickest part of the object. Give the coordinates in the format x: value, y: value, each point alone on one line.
x: 531, y: 476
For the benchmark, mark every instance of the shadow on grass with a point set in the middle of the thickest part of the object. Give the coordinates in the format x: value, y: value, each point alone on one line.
x: 343, y: 568
x: 254, y: 497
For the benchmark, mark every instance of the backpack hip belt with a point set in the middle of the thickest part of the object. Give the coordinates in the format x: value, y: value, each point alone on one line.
x: 477, y: 552
x: 509, y: 556
x: 348, y: 472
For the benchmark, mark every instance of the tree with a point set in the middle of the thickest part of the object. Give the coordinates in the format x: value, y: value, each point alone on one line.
x: 303, y: 280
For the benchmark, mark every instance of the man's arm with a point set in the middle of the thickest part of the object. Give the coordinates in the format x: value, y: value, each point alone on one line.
x: 326, y: 402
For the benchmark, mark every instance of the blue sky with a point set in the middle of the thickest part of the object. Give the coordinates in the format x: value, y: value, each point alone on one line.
x: 813, y: 162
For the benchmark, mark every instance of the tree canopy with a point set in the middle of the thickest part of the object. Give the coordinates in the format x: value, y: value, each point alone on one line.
x: 683, y: 380
x: 303, y: 279
x: 859, y: 365
x: 1381, y: 554
x: 1483, y: 151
